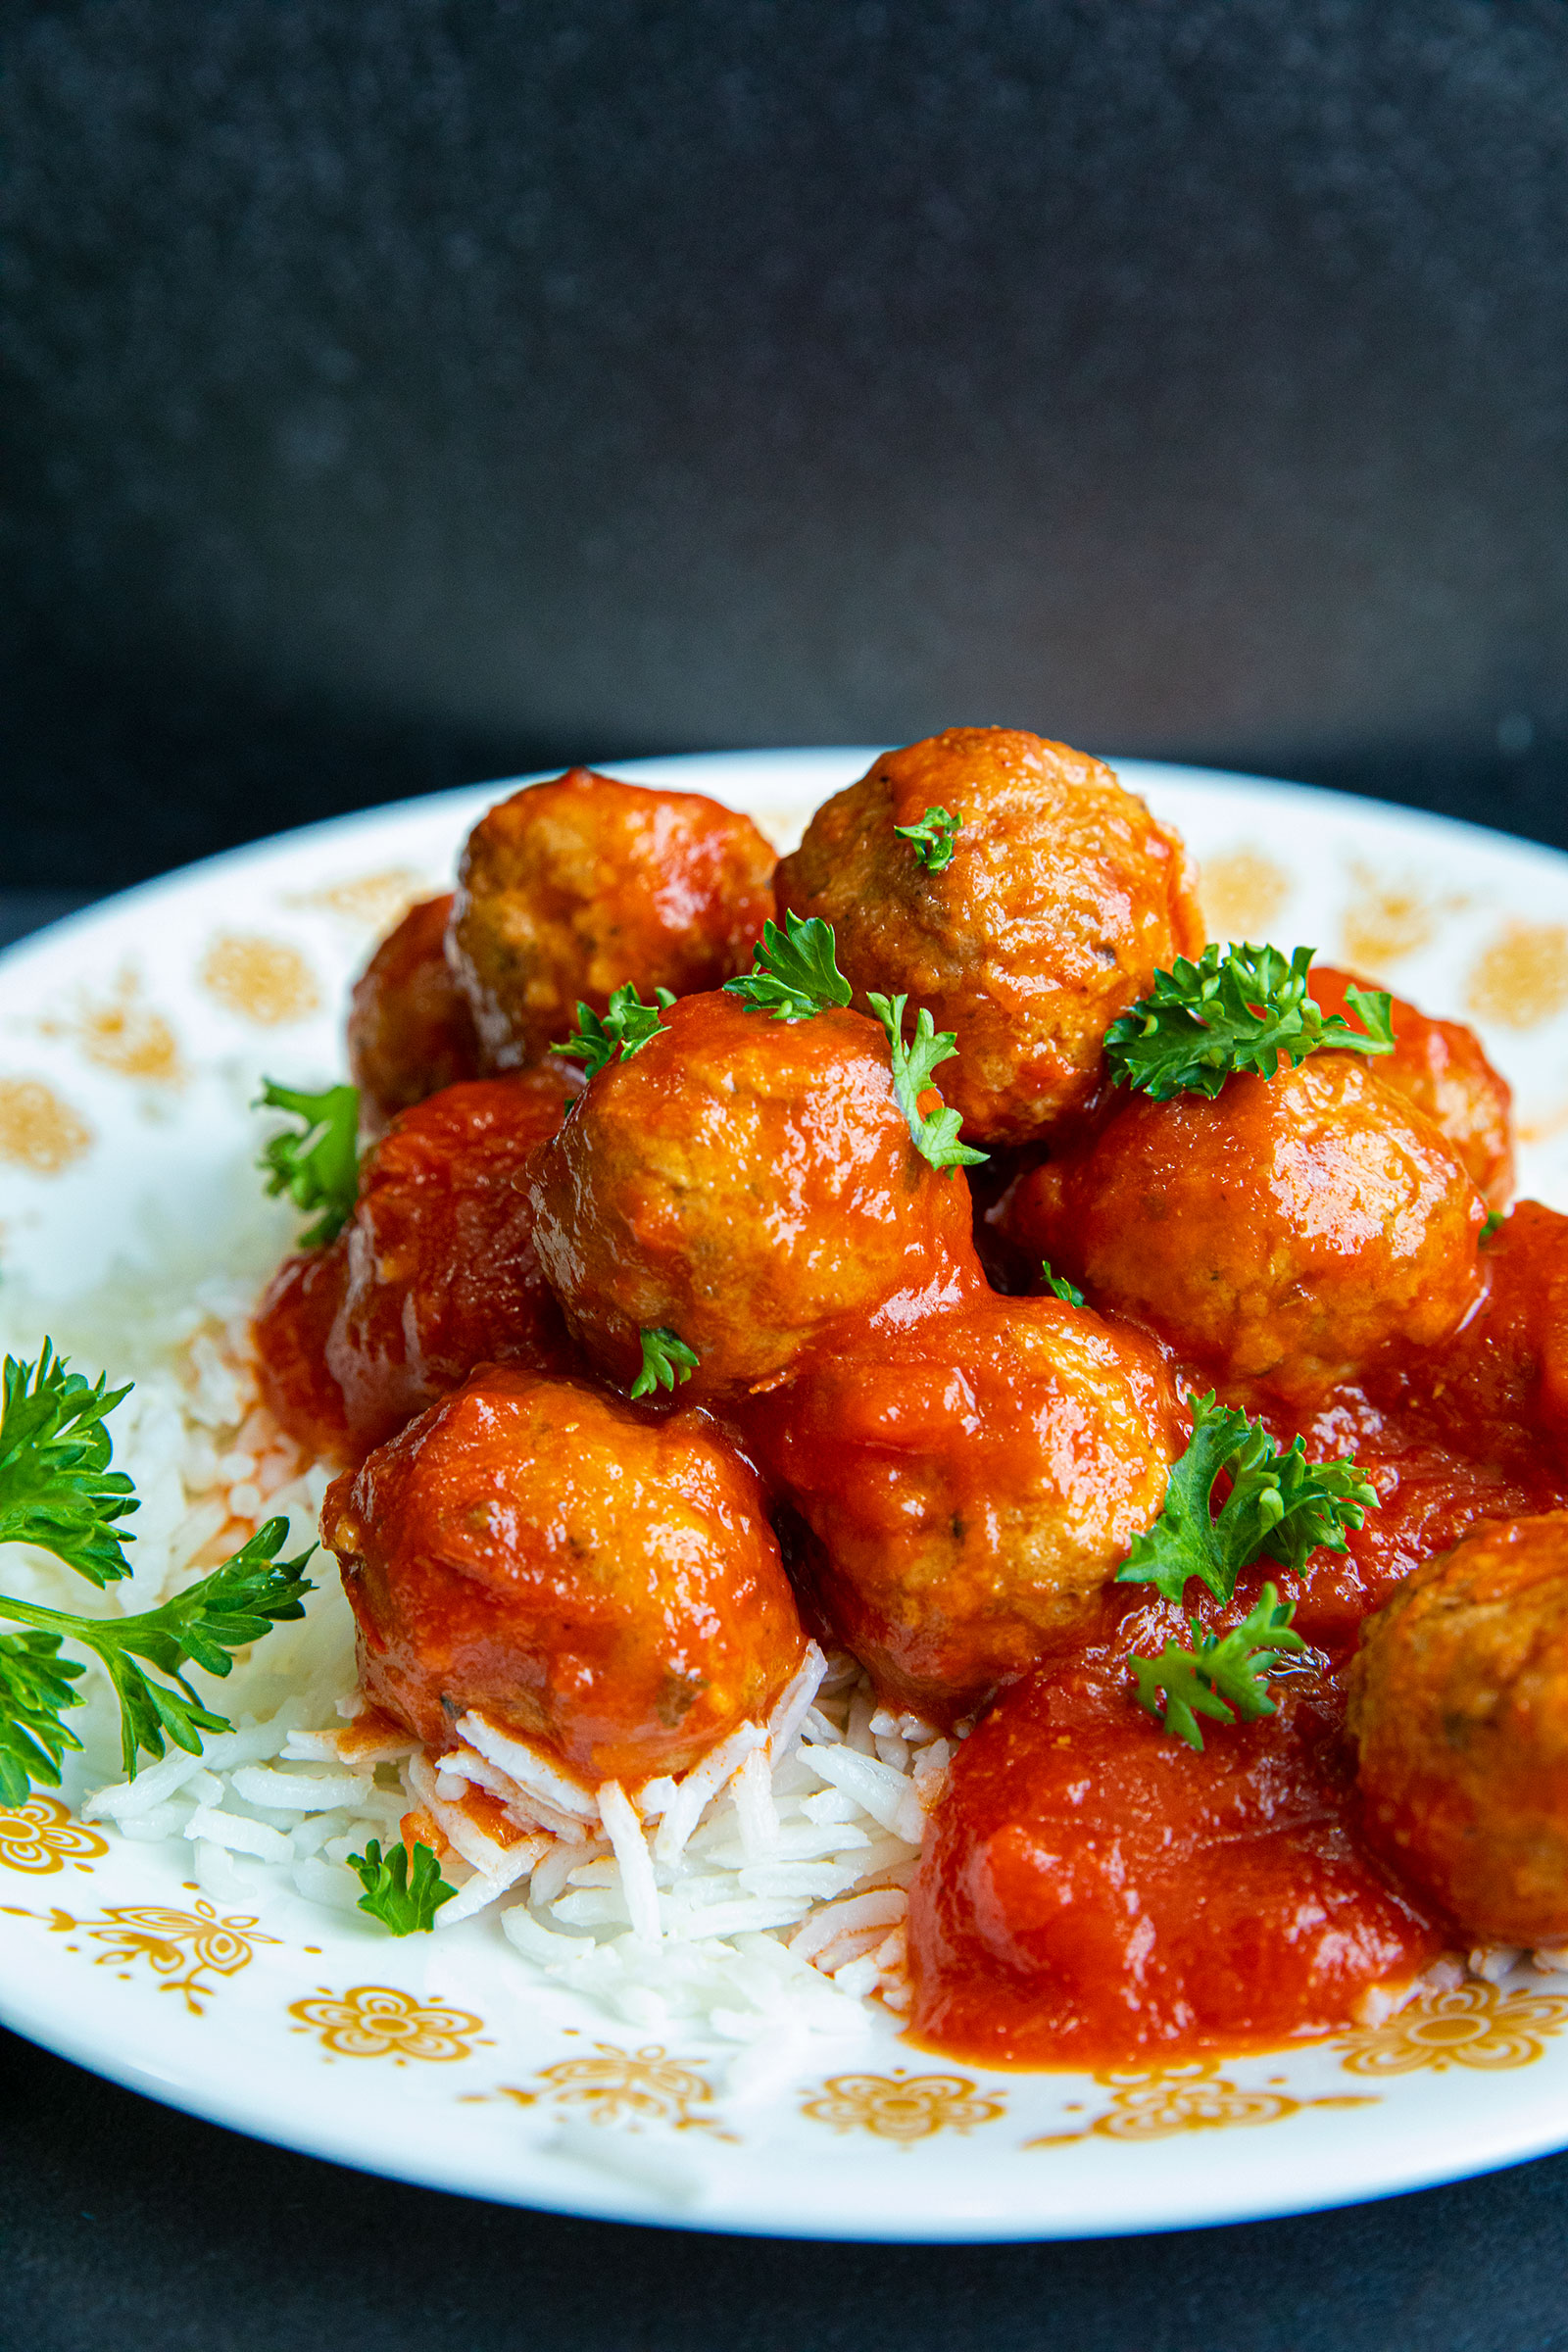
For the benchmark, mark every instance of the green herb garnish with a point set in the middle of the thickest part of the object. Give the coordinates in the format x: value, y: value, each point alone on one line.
x: 1238, y: 1008
x: 1059, y: 1287
x: 794, y: 971
x: 665, y: 1360
x: 1495, y: 1220
x: 933, y: 838
x: 404, y: 1901
x: 1222, y: 1676
x: 56, y: 1487
x: 625, y: 1028
x: 934, y: 1133
x: 1280, y: 1504
x: 317, y: 1166
x: 234, y: 1606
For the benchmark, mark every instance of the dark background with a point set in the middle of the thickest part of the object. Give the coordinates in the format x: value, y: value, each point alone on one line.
x: 398, y: 392
x: 404, y: 390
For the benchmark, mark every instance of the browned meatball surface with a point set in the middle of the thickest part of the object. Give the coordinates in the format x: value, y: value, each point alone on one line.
x: 971, y: 1484
x: 1292, y: 1231
x: 410, y: 1028
x: 441, y: 1269
x: 1442, y: 1067
x: 586, y: 1576
x: 1061, y: 897
x: 569, y: 889
x: 1458, y: 1707
x: 743, y: 1182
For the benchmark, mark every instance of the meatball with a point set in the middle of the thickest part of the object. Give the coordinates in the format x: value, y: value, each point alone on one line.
x: 743, y: 1182
x: 970, y: 1483
x: 1293, y: 1231
x: 441, y: 1272
x: 1061, y: 897
x: 1458, y: 1708
x: 571, y: 888
x: 1442, y: 1067
x: 288, y: 1340
x: 588, y: 1576
x: 410, y: 1028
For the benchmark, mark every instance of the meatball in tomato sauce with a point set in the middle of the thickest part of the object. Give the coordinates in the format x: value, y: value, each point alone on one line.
x: 1442, y: 1067
x: 571, y: 888
x: 410, y: 1032
x: 436, y: 1273
x: 1291, y: 1231
x: 597, y: 1581
x: 742, y: 1183
x: 1458, y: 1707
x: 1059, y: 900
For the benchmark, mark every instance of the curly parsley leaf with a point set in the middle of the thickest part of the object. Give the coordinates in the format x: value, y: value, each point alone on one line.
x: 625, y: 1029
x: 666, y: 1359
x: 1280, y: 1504
x: 1059, y: 1287
x: 794, y: 972
x: 405, y: 1900
x: 1237, y: 1008
x: 933, y: 838
x: 1222, y: 1676
x: 34, y: 1693
x: 317, y: 1166
x: 936, y: 1132
x: 1495, y: 1220
x: 234, y: 1606
x: 56, y: 1487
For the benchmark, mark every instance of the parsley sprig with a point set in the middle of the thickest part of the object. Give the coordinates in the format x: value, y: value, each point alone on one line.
x: 316, y: 1165
x: 935, y: 1132
x: 56, y: 1487
x: 933, y: 838
x: 794, y: 972
x: 1223, y: 1675
x: 234, y: 1606
x: 625, y: 1029
x: 404, y: 1901
x: 666, y: 1359
x: 1237, y: 1008
x: 1059, y: 1287
x: 1278, y: 1504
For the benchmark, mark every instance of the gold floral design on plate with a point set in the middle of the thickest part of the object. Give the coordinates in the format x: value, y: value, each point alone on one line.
x: 41, y: 1836
x: 159, y: 1934
x: 265, y: 981
x: 901, y: 2106
x: 39, y: 1131
x: 1521, y: 979
x: 378, y: 2021
x: 1391, y: 916
x: 1242, y: 891
x: 121, y: 1034
x: 369, y: 900
x: 1157, y: 2102
x: 1475, y: 2024
x: 634, y: 2087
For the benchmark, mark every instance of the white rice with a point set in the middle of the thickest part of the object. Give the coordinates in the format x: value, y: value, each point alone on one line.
x: 764, y: 1891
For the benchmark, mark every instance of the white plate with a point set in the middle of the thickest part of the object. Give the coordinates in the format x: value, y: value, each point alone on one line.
x: 130, y: 1041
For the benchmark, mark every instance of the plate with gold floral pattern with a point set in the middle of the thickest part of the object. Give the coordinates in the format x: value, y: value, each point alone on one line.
x: 218, y: 1967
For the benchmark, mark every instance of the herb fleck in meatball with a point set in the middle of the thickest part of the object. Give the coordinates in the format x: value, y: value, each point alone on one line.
x: 1458, y: 1707
x: 410, y: 1032
x: 743, y: 1182
x: 571, y: 888
x: 1442, y: 1067
x: 1293, y: 1231
x: 586, y: 1576
x: 1061, y: 897
x: 971, y: 1484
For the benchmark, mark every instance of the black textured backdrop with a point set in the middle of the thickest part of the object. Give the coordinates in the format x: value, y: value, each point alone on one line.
x: 399, y: 390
